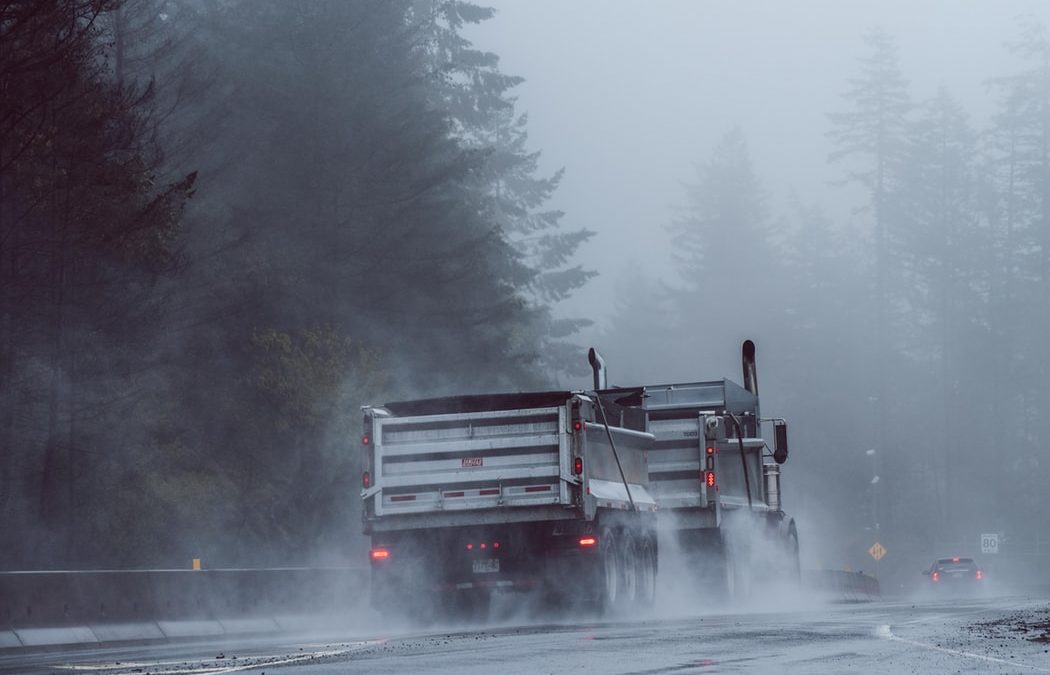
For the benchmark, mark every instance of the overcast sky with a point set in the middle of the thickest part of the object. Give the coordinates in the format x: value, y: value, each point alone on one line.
x: 628, y: 96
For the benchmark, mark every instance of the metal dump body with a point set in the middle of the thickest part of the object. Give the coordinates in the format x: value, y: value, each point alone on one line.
x: 676, y: 415
x: 492, y: 459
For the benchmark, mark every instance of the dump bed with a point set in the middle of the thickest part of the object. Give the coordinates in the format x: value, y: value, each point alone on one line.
x: 503, y: 458
x: 675, y: 414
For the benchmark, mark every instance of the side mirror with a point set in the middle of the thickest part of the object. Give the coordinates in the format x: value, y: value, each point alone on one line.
x: 780, y: 441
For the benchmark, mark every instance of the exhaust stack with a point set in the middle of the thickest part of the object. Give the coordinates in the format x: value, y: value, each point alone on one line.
x: 750, y: 372
x: 601, y: 378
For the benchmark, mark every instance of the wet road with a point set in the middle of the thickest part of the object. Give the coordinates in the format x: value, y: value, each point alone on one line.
x: 979, y: 636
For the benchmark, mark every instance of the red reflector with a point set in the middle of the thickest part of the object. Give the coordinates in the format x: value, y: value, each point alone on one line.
x: 980, y: 575
x: 936, y: 576
x: 366, y: 480
x: 577, y: 425
x: 403, y: 498
x: 379, y: 554
x: 710, y: 451
x: 538, y: 488
x: 710, y: 480
x: 490, y: 491
x: 577, y: 466
x: 365, y: 440
x: 588, y: 541
x: 453, y: 494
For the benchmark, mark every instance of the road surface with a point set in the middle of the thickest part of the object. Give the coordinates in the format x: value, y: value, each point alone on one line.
x: 1000, y: 635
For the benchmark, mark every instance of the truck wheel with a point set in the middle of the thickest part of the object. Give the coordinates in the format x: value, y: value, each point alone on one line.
x: 794, y: 570
x: 736, y: 570
x: 609, y: 583
x: 630, y: 570
x: 646, y: 584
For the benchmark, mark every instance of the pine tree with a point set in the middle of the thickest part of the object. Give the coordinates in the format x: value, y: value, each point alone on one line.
x: 872, y: 136
x: 482, y: 108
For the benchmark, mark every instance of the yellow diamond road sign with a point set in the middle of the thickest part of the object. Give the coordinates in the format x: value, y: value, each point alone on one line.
x: 877, y: 551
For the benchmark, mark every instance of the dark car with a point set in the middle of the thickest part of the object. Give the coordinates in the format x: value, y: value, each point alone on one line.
x: 958, y: 575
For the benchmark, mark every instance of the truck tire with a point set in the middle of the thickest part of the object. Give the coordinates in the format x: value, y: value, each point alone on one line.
x: 794, y: 564
x: 609, y: 588
x: 736, y: 569
x: 646, y: 584
x: 630, y: 570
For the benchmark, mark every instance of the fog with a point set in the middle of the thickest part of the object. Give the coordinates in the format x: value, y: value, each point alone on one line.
x: 632, y: 102
x: 273, y: 213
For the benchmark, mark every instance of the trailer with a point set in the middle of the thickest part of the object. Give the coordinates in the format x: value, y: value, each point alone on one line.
x: 468, y: 496
x: 715, y: 477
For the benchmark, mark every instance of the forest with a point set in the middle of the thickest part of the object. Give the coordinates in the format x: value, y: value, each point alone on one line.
x: 227, y: 224
x: 223, y: 227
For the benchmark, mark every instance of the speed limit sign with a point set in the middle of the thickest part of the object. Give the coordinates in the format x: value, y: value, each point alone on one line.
x: 989, y: 543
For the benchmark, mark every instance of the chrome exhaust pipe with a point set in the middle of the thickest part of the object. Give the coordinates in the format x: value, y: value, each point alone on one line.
x: 750, y: 371
x: 601, y: 378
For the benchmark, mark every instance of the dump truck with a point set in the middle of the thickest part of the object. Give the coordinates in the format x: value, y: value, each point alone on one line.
x: 715, y: 478
x: 468, y: 496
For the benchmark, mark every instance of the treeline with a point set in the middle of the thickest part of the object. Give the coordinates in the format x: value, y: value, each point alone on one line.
x: 907, y: 341
x: 223, y: 227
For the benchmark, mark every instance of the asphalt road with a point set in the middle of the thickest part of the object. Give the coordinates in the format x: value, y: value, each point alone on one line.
x: 995, y: 635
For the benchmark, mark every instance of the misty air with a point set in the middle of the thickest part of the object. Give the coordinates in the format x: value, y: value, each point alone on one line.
x: 524, y: 336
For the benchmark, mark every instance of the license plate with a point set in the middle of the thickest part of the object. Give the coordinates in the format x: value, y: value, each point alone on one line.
x: 486, y: 565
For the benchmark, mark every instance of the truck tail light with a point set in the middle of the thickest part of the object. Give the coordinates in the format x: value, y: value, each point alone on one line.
x: 577, y: 425
x: 379, y: 554
x: 936, y: 576
x: 710, y: 479
x: 980, y: 575
x: 710, y: 451
x: 366, y: 480
x: 366, y: 440
x: 577, y: 466
x: 588, y: 541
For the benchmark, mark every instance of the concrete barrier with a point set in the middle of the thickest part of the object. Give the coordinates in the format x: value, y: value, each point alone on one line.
x: 842, y: 586
x: 77, y: 607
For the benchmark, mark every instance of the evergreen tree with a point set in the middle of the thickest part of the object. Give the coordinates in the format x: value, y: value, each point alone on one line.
x: 872, y: 136
x: 481, y: 108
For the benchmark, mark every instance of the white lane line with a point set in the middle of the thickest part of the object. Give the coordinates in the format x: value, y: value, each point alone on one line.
x: 883, y: 631
x: 249, y: 663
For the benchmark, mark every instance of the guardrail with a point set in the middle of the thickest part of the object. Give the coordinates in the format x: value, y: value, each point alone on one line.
x: 40, y: 608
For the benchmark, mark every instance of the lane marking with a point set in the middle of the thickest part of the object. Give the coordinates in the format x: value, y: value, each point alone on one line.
x: 883, y: 631
x: 248, y: 663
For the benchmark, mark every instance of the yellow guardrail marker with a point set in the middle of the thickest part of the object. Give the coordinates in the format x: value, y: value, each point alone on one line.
x: 197, y: 564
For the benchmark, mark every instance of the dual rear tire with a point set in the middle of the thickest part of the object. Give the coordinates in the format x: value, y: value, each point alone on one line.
x: 627, y: 570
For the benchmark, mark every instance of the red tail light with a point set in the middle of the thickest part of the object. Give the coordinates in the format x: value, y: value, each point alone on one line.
x: 710, y: 451
x: 577, y: 466
x: 366, y: 480
x: 980, y: 575
x: 379, y: 554
x: 710, y: 479
x: 365, y: 440
x: 470, y: 547
x: 588, y: 541
x: 577, y: 425
x: 955, y: 559
x: 936, y: 576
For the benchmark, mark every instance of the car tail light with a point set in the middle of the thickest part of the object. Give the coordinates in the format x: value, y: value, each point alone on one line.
x: 577, y: 466
x: 936, y: 576
x: 955, y: 559
x: 366, y: 480
x: 980, y: 575
x: 588, y: 541
x: 379, y: 554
